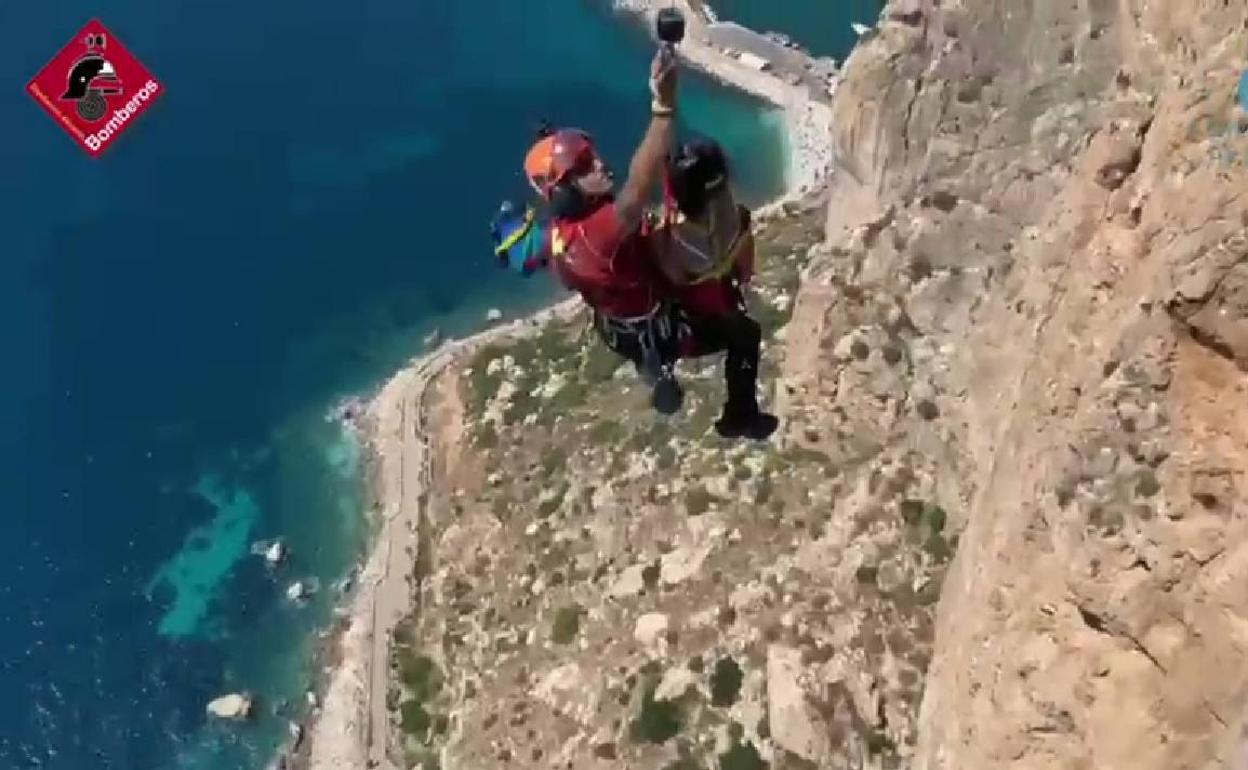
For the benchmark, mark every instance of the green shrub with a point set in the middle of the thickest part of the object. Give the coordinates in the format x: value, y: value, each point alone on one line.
x: 665, y: 457
x: 414, y: 719
x: 657, y: 722
x: 866, y: 575
x: 404, y: 635
x: 566, y: 625
x: 574, y: 393
x: 933, y: 519
x: 605, y: 432
x: 487, y: 437
x: 481, y: 384
x: 651, y: 573
x: 742, y: 756
x: 552, y: 348
x: 725, y: 682
x: 523, y: 403
x: 878, y: 743
x: 600, y: 364
x: 938, y: 548
x: 554, y: 459
x: 697, y: 500
x: 419, y: 675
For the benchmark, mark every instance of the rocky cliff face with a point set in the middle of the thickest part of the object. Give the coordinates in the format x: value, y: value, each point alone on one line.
x: 1036, y: 303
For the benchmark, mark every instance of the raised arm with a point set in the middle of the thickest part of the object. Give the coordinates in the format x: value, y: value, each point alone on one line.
x: 646, y: 167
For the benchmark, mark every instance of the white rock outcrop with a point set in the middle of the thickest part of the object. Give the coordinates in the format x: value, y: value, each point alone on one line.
x: 792, y: 725
x: 235, y: 706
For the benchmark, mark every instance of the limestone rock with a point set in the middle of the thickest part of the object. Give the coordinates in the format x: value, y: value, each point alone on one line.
x: 1071, y: 261
x: 676, y: 682
x: 793, y: 725
x: 650, y: 629
x: 630, y: 582
x: 569, y: 690
x: 552, y: 386
x: 683, y: 563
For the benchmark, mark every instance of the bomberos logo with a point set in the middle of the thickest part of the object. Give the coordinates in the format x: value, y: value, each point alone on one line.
x: 94, y: 88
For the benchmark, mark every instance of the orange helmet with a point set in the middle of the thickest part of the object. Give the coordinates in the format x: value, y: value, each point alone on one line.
x: 555, y: 156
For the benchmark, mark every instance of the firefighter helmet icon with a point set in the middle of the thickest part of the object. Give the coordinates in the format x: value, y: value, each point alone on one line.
x: 91, y: 78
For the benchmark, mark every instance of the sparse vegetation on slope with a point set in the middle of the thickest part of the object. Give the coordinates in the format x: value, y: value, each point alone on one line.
x: 595, y: 549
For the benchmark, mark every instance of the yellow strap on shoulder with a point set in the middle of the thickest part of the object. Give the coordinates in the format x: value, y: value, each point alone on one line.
x: 728, y: 261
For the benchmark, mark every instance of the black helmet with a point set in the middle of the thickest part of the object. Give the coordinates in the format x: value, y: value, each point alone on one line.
x: 84, y: 71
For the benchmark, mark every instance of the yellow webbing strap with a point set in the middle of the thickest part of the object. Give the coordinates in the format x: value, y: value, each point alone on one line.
x: 724, y: 265
x: 519, y: 234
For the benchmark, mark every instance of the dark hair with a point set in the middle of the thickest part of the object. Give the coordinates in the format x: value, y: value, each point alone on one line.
x: 697, y: 169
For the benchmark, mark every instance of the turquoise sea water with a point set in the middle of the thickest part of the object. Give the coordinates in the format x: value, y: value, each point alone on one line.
x: 821, y: 26
x: 305, y: 203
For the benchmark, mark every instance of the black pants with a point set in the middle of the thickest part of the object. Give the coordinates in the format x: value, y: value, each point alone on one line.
x: 657, y: 342
x: 741, y: 337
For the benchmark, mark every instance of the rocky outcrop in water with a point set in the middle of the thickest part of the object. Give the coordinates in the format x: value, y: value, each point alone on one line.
x: 235, y: 707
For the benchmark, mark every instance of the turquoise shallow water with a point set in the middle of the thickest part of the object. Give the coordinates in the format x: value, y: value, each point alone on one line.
x: 821, y: 26
x: 307, y: 201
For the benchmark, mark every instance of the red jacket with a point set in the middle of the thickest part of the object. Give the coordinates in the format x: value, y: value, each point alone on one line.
x: 611, y: 265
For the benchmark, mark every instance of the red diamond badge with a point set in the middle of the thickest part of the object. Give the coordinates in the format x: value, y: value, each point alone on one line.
x: 94, y: 88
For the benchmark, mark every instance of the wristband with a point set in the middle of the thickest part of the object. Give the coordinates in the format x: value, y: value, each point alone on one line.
x: 659, y: 109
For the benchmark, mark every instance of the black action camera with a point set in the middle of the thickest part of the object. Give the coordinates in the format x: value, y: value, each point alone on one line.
x: 669, y: 25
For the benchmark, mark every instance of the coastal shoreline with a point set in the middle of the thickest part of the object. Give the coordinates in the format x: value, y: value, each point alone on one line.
x: 350, y: 729
x: 806, y: 120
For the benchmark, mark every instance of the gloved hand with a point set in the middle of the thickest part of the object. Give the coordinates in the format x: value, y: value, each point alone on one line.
x: 663, y: 79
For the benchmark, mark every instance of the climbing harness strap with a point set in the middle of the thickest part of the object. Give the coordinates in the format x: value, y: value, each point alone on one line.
x: 656, y: 334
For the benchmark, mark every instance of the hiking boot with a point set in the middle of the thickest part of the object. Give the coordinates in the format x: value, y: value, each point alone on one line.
x: 752, y: 424
x: 667, y: 396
